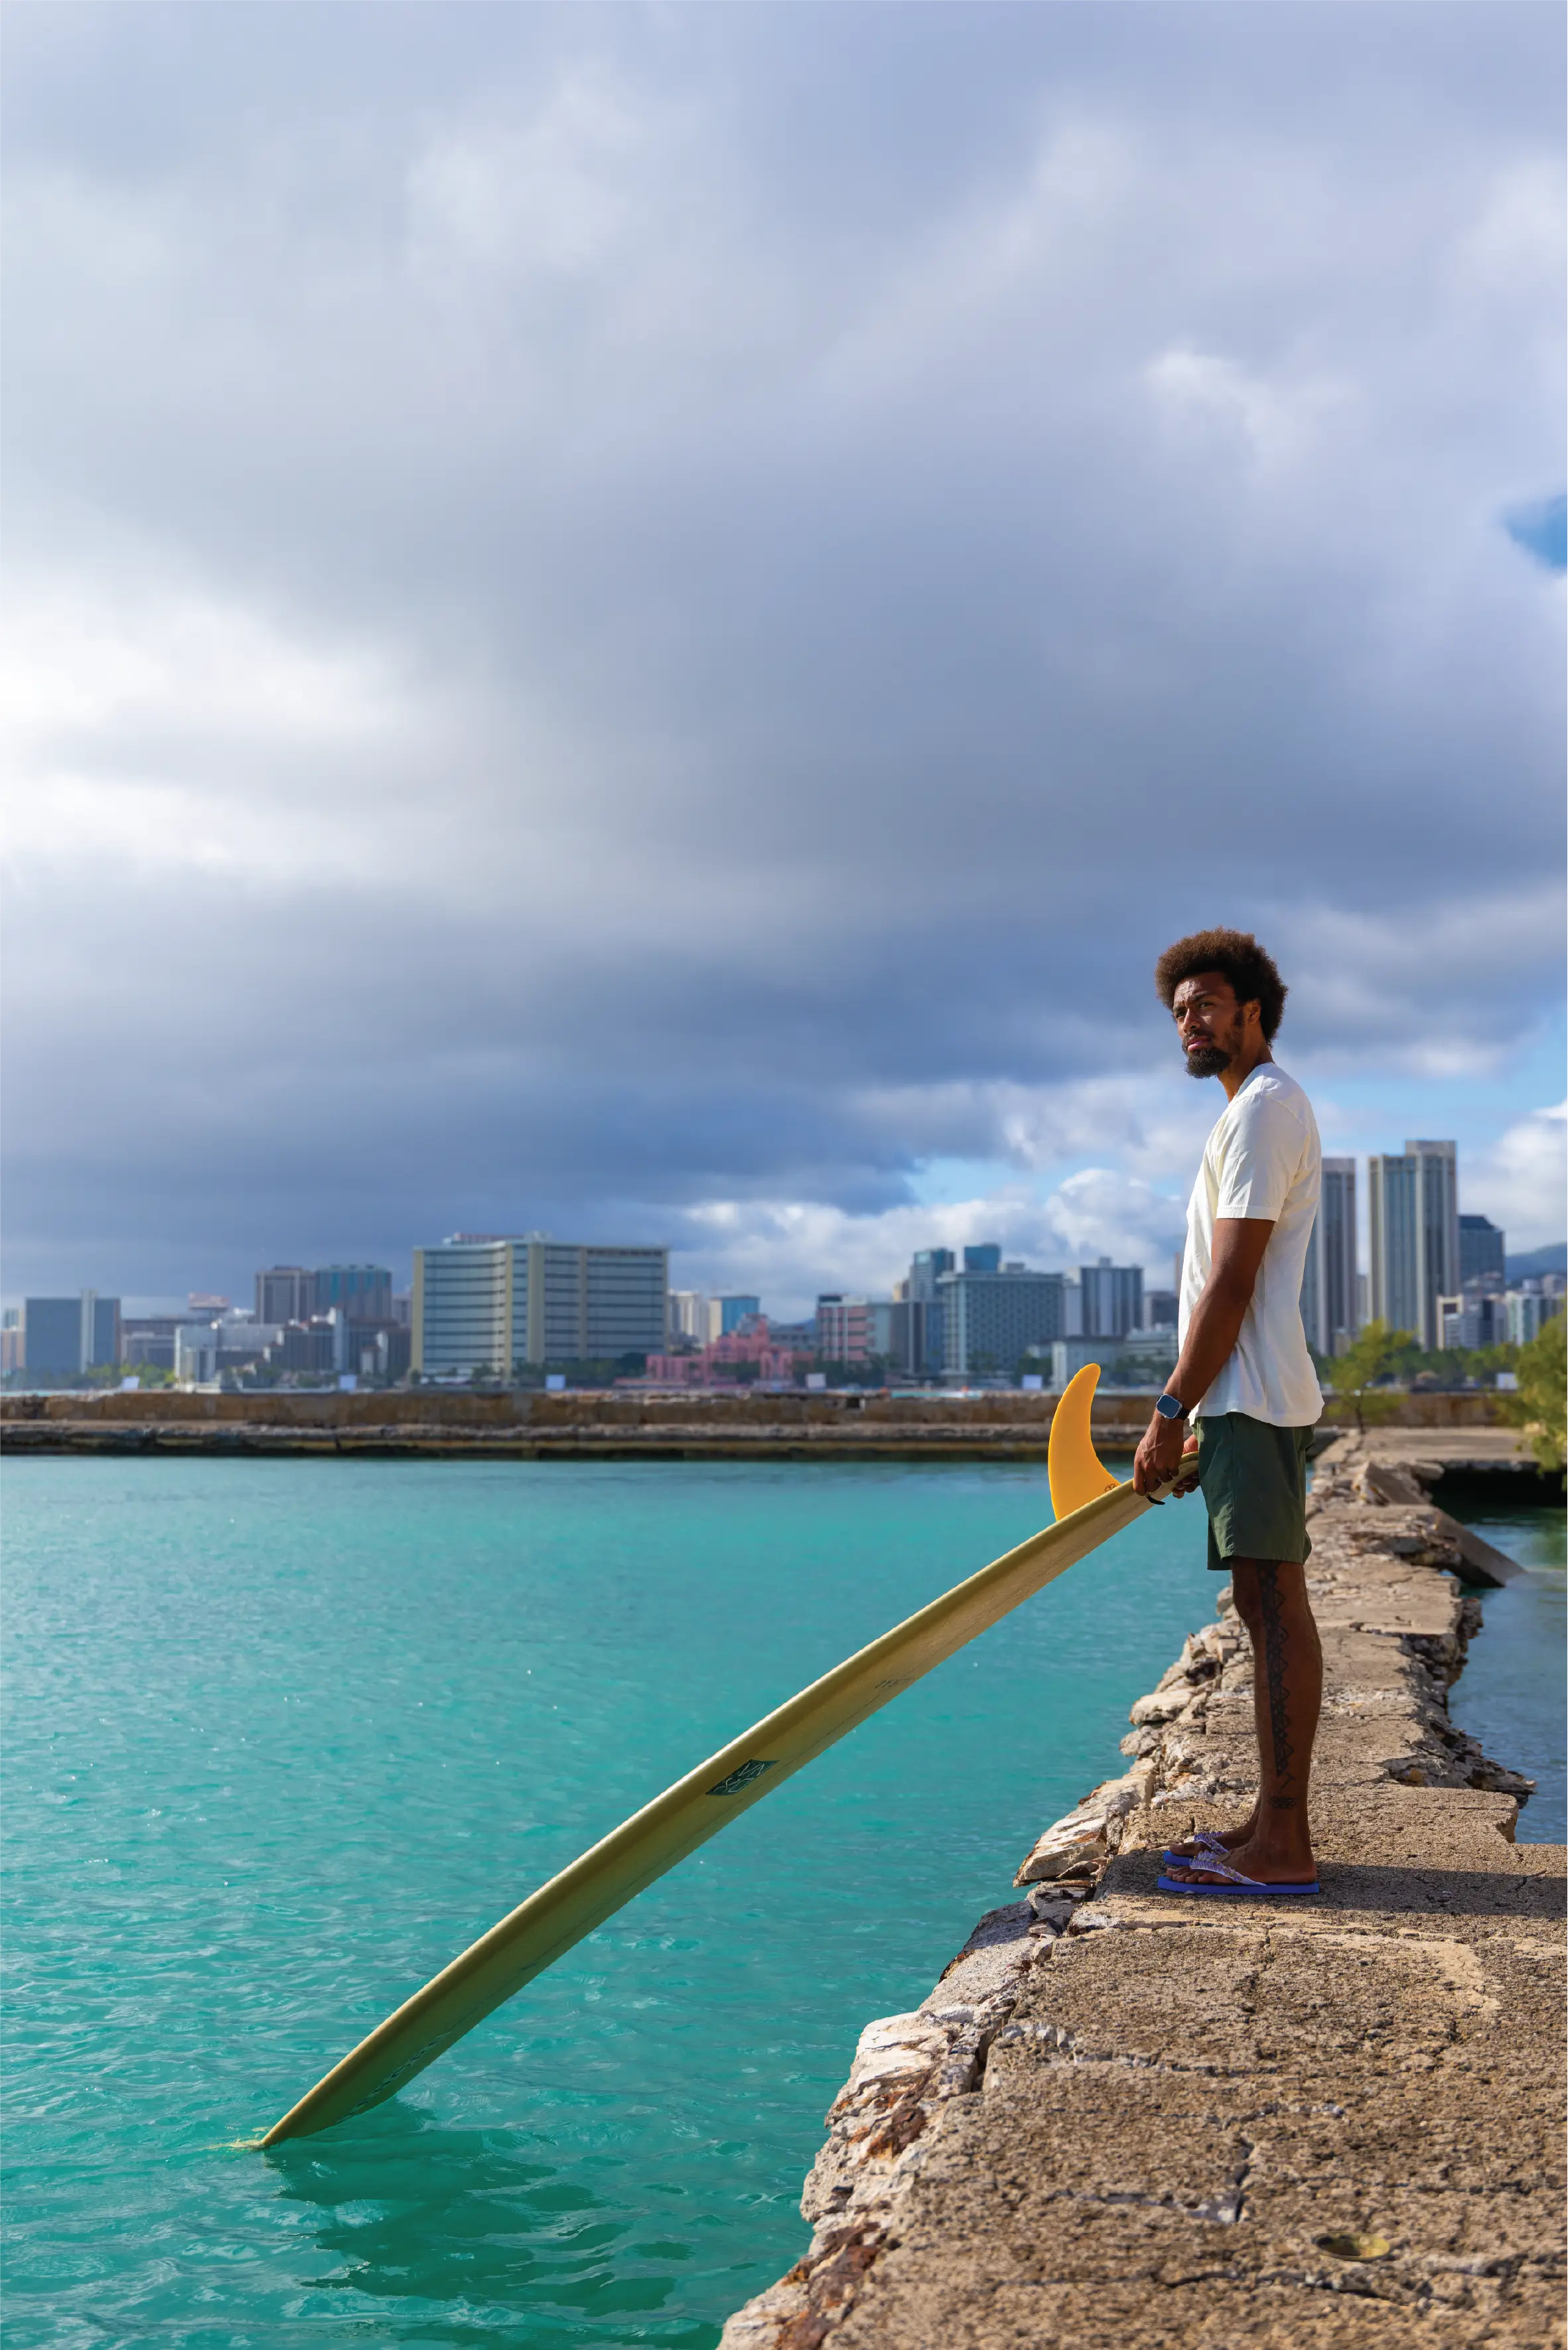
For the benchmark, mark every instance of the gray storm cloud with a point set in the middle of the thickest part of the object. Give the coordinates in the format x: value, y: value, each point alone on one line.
x: 621, y: 613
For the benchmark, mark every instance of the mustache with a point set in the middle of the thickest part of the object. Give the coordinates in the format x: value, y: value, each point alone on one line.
x: 1206, y: 1061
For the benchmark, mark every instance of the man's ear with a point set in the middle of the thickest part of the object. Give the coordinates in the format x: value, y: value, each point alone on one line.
x: 1253, y: 1011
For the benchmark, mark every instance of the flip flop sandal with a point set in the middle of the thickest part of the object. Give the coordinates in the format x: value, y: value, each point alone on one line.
x: 1253, y: 1887
x: 1205, y: 1839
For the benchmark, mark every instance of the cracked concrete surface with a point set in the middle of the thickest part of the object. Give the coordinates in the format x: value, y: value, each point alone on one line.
x: 1120, y: 2118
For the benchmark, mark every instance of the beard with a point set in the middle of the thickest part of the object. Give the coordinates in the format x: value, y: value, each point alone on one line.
x: 1207, y: 1060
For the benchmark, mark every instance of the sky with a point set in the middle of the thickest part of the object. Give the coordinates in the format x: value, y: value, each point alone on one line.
x: 638, y: 621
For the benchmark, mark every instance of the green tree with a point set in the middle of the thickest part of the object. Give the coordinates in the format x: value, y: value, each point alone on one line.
x: 1356, y: 1373
x: 1541, y: 1406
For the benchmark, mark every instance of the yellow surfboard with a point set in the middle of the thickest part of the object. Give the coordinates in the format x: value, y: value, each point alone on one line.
x: 1090, y: 1506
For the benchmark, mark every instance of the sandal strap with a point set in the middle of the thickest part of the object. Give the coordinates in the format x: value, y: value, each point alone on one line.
x: 1219, y: 1868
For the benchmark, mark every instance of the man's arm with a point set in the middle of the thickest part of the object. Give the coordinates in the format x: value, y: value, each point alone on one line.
x: 1211, y: 1336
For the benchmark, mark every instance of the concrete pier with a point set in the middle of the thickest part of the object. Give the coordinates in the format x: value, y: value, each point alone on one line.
x: 1124, y: 2118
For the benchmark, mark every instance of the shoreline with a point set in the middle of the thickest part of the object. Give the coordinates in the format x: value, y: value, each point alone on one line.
x: 1118, y: 2115
x: 588, y: 1425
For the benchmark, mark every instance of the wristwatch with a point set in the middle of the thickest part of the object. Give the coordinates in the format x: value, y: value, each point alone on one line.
x: 1171, y: 1407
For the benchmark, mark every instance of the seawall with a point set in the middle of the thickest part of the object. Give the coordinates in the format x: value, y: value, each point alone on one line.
x: 1120, y: 2118
x: 614, y: 1425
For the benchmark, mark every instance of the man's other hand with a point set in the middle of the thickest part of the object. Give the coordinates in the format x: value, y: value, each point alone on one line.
x: 1165, y: 1452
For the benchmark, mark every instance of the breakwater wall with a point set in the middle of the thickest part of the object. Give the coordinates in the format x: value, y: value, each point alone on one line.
x: 613, y: 1425
x: 1121, y: 2117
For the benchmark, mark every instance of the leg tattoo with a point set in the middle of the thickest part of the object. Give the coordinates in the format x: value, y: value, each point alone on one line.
x: 1270, y: 1598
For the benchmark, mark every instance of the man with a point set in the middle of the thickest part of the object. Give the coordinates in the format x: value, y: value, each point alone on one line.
x: 1245, y: 1379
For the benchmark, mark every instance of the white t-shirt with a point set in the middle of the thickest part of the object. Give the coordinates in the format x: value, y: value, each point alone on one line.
x: 1262, y: 1159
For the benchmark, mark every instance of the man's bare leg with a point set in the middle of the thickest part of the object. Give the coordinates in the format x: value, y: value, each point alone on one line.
x: 1287, y: 1695
x: 1244, y: 1599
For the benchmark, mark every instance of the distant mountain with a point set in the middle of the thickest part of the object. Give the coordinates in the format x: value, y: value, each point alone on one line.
x: 1552, y: 1259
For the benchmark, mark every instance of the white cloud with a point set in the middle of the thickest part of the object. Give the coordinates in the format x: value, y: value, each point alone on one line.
x: 159, y: 729
x: 787, y: 1251
x: 1276, y: 418
x: 1522, y: 1182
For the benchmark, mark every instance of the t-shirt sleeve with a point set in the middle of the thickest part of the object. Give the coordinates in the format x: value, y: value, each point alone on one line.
x: 1260, y: 1164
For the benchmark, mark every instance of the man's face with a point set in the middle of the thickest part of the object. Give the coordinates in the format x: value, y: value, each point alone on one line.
x: 1211, y: 1024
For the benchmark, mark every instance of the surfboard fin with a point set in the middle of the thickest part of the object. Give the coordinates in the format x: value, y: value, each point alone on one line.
x: 1076, y: 1471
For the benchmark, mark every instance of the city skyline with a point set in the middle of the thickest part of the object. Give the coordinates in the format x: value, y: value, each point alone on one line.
x: 530, y: 1298
x: 1132, y: 1218
x: 506, y: 1308
x: 1334, y: 1268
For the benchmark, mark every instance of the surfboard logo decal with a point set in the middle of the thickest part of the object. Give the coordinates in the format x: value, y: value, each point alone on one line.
x: 741, y: 1778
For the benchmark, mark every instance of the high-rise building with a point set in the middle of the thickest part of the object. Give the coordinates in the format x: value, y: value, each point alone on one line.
x: 885, y: 1328
x: 1328, y: 1277
x: 64, y: 1336
x: 990, y: 1320
x: 1394, y: 1280
x: 1339, y: 1253
x: 1439, y: 1166
x: 286, y: 1293
x: 490, y: 1304
x: 924, y: 1336
x: 1112, y: 1299
x: 844, y: 1328
x: 100, y: 1329
x: 734, y: 1309
x: 1527, y: 1310
x: 1483, y: 1255
x: 688, y: 1316
x: 1413, y: 1196
x: 987, y: 1258
x: 1476, y: 1317
x: 363, y: 1292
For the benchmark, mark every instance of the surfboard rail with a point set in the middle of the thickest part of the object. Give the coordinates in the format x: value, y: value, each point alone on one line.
x: 1090, y: 1506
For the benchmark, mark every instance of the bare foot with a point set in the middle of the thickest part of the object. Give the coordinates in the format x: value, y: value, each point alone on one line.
x: 1232, y: 1839
x: 1268, y: 1865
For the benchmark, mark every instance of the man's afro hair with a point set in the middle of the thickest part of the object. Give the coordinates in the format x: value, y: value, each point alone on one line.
x: 1249, y: 969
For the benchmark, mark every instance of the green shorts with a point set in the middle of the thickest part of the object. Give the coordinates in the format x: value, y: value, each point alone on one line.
x: 1254, y: 1477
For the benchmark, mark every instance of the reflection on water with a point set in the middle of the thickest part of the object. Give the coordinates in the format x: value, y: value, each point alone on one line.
x: 411, y: 2210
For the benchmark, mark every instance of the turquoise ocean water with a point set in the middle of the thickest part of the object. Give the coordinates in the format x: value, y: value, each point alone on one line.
x: 284, y: 1736
x: 1511, y: 1695
x: 281, y: 1737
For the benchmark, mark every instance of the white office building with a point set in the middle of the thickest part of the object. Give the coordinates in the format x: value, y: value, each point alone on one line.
x: 688, y: 1316
x: 481, y: 1303
x: 196, y: 1353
